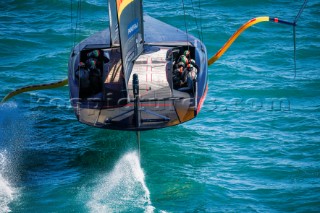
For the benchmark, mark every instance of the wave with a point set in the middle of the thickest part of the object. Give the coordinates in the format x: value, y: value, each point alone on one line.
x: 12, y: 136
x: 7, y: 192
x: 123, y: 189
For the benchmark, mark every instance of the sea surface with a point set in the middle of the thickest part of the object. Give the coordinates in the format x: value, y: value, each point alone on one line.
x: 255, y: 146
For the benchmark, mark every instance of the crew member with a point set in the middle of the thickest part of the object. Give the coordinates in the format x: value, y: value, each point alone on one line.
x: 188, y: 78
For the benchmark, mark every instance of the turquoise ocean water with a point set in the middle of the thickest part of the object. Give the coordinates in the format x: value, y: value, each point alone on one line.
x: 254, y: 147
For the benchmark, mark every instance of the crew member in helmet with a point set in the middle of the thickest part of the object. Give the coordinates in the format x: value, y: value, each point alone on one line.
x: 177, y: 75
x: 185, y: 72
x: 188, y: 78
x: 83, y: 75
x: 179, y: 68
x: 184, y: 58
x: 93, y: 63
x: 89, y: 74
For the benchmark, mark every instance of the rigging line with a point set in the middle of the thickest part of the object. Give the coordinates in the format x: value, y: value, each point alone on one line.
x: 294, y: 36
x: 200, y: 14
x: 76, y: 28
x: 300, y: 11
x: 195, y: 19
x: 185, y: 23
x: 71, y: 20
x: 78, y: 22
x: 80, y: 17
x: 79, y: 48
x: 294, y: 51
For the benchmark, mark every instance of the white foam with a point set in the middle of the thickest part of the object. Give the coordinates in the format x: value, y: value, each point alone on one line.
x: 123, y: 189
x: 7, y: 192
x: 12, y: 136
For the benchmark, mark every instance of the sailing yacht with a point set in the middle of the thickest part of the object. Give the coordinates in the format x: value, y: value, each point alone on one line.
x: 139, y: 74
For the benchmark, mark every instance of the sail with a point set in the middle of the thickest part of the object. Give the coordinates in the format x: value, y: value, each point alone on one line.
x: 114, y: 30
x: 130, y: 23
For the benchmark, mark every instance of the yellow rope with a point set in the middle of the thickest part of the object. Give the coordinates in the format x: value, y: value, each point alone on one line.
x: 35, y: 87
x: 225, y: 47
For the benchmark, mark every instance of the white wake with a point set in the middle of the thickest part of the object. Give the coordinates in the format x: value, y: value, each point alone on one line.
x: 123, y: 189
x: 7, y: 192
x: 10, y: 139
